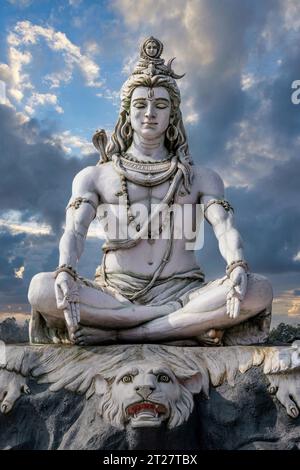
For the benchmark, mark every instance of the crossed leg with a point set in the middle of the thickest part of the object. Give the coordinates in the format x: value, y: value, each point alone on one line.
x: 108, y: 318
x: 205, y: 310
x: 99, y: 309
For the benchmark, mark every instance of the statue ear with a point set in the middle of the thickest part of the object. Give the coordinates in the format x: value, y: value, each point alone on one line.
x: 193, y: 383
x: 101, y: 385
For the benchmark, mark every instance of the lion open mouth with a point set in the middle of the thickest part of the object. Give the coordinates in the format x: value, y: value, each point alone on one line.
x: 146, y: 408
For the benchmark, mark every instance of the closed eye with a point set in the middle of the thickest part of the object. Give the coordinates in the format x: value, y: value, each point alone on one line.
x: 139, y: 105
x: 162, y: 105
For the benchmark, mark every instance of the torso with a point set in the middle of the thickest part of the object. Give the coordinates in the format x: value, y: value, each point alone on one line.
x: 146, y: 256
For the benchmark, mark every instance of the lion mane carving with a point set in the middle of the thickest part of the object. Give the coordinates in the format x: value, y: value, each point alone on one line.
x: 157, y: 383
x: 145, y: 394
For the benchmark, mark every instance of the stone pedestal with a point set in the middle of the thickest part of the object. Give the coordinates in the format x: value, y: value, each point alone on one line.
x: 62, y: 397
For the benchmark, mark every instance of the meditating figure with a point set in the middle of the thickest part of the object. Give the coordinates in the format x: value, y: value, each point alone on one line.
x: 149, y: 286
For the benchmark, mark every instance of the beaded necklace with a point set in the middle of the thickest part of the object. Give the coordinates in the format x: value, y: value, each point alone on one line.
x: 166, y: 168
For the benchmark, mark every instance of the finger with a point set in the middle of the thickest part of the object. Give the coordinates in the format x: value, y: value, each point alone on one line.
x: 244, y: 282
x: 77, y: 307
x: 228, y: 306
x: 236, y: 308
x: 228, y: 303
x: 74, y: 316
x: 68, y: 317
x: 231, y: 307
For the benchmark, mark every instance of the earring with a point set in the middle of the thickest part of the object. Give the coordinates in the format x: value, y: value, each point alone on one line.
x: 172, y: 132
x: 126, y: 129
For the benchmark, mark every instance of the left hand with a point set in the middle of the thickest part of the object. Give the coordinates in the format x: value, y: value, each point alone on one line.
x: 236, y: 294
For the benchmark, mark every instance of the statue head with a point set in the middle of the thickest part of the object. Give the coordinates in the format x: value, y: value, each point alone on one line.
x: 154, y: 81
x: 151, y: 48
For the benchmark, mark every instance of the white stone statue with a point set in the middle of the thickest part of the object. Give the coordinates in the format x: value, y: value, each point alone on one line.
x: 149, y: 287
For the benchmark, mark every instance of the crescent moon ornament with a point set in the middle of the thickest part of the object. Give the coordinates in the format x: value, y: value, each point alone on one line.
x: 171, y: 71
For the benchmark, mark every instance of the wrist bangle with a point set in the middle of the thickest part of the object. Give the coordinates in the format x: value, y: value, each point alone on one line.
x: 64, y: 268
x: 235, y: 264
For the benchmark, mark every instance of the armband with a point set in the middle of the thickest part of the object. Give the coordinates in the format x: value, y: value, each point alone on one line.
x: 80, y: 200
x: 222, y: 202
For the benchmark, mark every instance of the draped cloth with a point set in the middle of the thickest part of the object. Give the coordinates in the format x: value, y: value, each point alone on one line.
x: 165, y: 289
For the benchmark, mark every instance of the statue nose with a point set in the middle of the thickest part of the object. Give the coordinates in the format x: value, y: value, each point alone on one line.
x: 144, y: 391
x: 150, y: 113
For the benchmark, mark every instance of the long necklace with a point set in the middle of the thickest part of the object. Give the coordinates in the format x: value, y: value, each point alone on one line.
x: 167, y: 166
x: 168, y: 200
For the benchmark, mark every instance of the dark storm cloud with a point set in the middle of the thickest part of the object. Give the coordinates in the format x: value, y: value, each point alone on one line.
x: 268, y: 219
x: 268, y: 216
x: 233, y: 28
x: 36, y: 177
x: 9, y: 262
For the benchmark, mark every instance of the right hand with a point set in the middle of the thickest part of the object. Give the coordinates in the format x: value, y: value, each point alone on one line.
x: 67, y: 299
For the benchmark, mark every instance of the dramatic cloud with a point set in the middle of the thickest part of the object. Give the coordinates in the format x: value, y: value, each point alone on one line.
x: 25, y: 36
x: 240, y: 59
x: 36, y: 175
x: 35, y: 187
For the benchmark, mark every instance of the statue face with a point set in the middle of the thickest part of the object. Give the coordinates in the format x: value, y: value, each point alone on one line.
x: 150, y: 111
x: 151, y: 49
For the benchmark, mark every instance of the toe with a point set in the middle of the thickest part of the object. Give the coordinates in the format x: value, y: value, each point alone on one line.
x: 290, y: 405
x: 78, y: 334
x: 6, y: 406
x: 26, y: 389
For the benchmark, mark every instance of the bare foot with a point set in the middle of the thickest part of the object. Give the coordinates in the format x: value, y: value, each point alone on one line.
x: 85, y: 336
x: 211, y: 338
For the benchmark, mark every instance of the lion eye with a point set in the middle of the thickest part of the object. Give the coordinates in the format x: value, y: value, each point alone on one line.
x: 127, y: 379
x: 163, y: 378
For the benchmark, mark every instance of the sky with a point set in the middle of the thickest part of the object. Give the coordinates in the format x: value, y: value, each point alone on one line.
x: 62, y: 63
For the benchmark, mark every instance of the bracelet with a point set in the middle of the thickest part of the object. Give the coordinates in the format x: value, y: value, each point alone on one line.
x: 64, y: 268
x: 235, y: 264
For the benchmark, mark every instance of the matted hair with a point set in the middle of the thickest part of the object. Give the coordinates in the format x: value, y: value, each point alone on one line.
x: 119, y: 143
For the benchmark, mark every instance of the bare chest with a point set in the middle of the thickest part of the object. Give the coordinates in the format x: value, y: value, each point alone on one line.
x: 112, y: 192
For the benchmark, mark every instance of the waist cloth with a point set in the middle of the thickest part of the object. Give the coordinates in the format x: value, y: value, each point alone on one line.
x: 165, y: 289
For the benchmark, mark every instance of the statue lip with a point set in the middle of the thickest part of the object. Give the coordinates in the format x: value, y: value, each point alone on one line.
x: 144, y: 406
x: 149, y: 123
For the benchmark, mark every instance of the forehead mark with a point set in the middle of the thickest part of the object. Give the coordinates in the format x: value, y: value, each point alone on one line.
x: 150, y: 93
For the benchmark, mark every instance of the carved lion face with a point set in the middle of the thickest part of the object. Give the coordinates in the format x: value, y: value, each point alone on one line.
x: 145, y: 394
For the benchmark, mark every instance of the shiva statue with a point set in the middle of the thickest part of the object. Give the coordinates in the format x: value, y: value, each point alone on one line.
x: 149, y: 287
